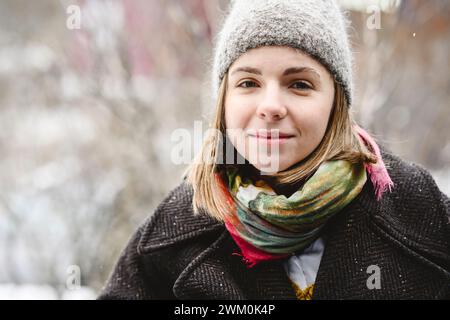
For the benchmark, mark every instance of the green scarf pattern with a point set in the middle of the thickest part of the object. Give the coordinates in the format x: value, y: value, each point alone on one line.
x: 275, y: 225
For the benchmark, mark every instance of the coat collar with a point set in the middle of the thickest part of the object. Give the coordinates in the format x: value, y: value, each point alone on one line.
x: 174, y: 221
x: 343, y: 269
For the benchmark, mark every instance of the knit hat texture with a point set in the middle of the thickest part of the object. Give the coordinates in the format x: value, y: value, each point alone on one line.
x: 316, y: 27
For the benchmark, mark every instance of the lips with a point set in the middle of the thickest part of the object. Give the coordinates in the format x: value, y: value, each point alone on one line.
x: 273, y: 134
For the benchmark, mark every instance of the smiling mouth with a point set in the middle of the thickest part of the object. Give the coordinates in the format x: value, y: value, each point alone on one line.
x: 271, y: 139
x: 266, y: 135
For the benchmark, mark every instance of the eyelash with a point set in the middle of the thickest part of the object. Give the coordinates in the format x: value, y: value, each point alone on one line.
x: 302, y: 82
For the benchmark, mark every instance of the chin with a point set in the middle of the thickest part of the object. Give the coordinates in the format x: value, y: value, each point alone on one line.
x: 270, y: 166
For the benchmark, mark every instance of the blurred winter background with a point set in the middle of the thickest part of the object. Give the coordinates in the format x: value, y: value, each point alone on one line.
x: 87, y: 113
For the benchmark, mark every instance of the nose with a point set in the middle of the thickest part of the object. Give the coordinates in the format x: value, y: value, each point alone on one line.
x: 271, y: 107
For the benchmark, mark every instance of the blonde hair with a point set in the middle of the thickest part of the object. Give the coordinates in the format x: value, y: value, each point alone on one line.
x: 339, y: 142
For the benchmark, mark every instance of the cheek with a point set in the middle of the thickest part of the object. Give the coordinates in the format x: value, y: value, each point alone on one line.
x: 312, y: 120
x: 237, y: 115
x: 234, y: 123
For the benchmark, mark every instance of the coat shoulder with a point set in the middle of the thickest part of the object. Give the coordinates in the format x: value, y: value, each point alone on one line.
x: 174, y: 220
x: 411, y: 178
x: 141, y: 275
x: 415, y: 213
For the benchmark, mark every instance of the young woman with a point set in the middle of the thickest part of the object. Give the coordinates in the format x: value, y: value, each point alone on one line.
x: 309, y: 207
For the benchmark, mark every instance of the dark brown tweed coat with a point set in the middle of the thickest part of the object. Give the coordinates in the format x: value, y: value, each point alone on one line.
x: 176, y: 255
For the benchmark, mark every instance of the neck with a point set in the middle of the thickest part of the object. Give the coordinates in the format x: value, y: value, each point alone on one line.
x: 286, y: 189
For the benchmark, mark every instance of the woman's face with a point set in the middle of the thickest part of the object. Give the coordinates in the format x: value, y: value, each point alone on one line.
x: 272, y: 90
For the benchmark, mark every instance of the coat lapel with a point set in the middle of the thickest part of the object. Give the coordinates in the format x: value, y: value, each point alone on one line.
x: 335, y: 278
x: 214, y: 272
x: 218, y: 273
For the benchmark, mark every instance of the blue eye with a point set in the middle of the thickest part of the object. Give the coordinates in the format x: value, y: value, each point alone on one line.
x: 304, y: 85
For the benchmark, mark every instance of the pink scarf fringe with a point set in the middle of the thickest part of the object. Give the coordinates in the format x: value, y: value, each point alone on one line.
x: 378, y: 173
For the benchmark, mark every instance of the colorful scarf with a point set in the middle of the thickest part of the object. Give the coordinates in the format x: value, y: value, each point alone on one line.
x: 268, y: 226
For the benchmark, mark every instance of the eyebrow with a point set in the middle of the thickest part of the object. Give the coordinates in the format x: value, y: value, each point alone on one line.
x: 286, y: 72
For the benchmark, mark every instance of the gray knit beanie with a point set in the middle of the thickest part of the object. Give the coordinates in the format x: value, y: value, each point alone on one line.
x: 316, y: 27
